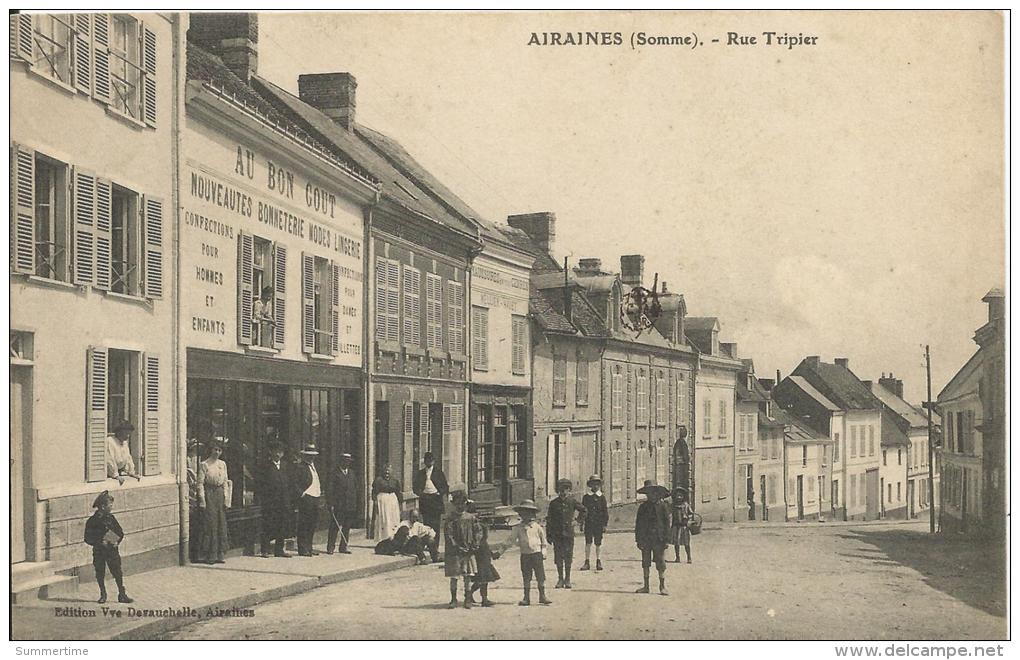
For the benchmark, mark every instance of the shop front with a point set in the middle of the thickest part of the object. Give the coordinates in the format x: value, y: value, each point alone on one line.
x: 500, y: 446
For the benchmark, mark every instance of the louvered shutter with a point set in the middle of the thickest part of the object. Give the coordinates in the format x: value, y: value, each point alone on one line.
x: 245, y: 282
x: 425, y: 438
x: 411, y: 321
x: 474, y: 437
x: 408, y: 440
x: 393, y: 302
x: 307, y: 302
x: 150, y: 424
x: 449, y: 424
x: 103, y: 236
x: 101, y: 57
x: 430, y: 335
x: 23, y: 211
x: 84, y: 226
x: 152, y: 231
x: 95, y: 423
x: 148, y: 43
x: 381, y: 288
x: 83, y: 52
x: 21, y: 36
x: 334, y: 314
x: 279, y: 295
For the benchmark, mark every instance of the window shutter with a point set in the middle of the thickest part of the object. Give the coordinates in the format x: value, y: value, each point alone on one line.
x: 23, y: 201
x: 83, y: 52
x: 279, y: 294
x: 307, y: 303
x: 408, y: 440
x: 475, y: 436
x: 430, y: 335
x: 425, y: 438
x: 101, y: 57
x: 104, y: 220
x: 334, y: 294
x: 150, y: 425
x: 393, y: 302
x: 245, y: 282
x: 381, y: 287
x: 148, y: 39
x: 95, y: 423
x: 84, y: 226
x: 21, y: 36
x: 412, y: 306
x: 449, y: 424
x: 152, y: 231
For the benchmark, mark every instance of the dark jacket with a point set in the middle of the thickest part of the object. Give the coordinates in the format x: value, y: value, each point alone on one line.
x: 651, y: 529
x: 597, y: 516
x: 301, y: 479
x: 343, y: 491
x: 438, y: 480
x: 560, y: 522
x: 97, y: 526
x: 272, y: 489
x: 384, y: 485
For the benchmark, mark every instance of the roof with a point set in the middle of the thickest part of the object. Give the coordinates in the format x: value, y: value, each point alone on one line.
x: 962, y: 375
x: 838, y: 384
x: 544, y: 263
x: 206, y: 67
x: 755, y: 394
x: 995, y: 292
x: 811, y: 391
x: 595, y: 283
x: 892, y: 434
x: 796, y: 429
x: 547, y: 308
x: 908, y: 413
x: 765, y: 420
x: 701, y: 323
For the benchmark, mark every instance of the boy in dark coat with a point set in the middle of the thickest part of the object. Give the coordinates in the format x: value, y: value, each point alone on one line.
x: 559, y: 525
x: 651, y: 532
x: 343, y: 505
x: 104, y: 534
x: 595, y: 520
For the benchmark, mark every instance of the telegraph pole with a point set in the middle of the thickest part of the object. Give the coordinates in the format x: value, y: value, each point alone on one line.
x: 931, y: 448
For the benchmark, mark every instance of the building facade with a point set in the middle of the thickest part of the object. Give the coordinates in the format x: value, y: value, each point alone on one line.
x: 771, y: 461
x: 750, y: 399
x: 808, y: 468
x: 92, y: 330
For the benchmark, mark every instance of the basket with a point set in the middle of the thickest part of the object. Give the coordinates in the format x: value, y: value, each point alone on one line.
x: 695, y: 524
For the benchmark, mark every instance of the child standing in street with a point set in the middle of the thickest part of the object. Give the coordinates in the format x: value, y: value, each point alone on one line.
x: 560, y: 528
x: 595, y: 520
x: 485, y: 571
x: 530, y: 538
x: 681, y: 523
x: 104, y: 534
x: 463, y: 532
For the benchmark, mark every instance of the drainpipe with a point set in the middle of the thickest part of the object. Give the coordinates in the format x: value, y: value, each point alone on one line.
x: 368, y: 361
x: 178, y: 373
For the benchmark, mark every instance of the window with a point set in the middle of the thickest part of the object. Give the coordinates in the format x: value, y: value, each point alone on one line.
x: 411, y: 281
x: 889, y: 498
x: 853, y: 442
x: 723, y: 420
x: 455, y: 317
x: 884, y: 457
x: 706, y: 419
x: 835, y: 492
x: 871, y: 441
x: 803, y: 455
x: 519, y: 348
x: 642, y: 398
x: 949, y: 432
x: 617, y: 396
x: 825, y: 455
x: 125, y: 69
x: 775, y: 447
x: 559, y: 379
x: 51, y: 46
x: 765, y: 442
x: 581, y: 378
x: 322, y: 291
x: 480, y: 338
x: 517, y: 460
x: 706, y: 478
x: 862, y: 495
x: 681, y: 400
x: 660, y: 399
x: 433, y: 312
x: 821, y: 488
x: 835, y: 448
x: 772, y: 489
x: 752, y: 431
x: 485, y: 450
x: 124, y: 255
x: 899, y: 457
x: 899, y: 491
x: 722, y: 473
x: 740, y: 433
x: 51, y: 219
x: 387, y: 300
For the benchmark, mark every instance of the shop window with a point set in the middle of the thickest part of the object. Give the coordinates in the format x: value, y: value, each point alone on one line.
x: 480, y: 338
x: 433, y: 312
x: 51, y: 219
x: 484, y: 452
x: 519, y: 347
x: 559, y: 379
x: 517, y: 456
x: 411, y: 281
x: 455, y: 317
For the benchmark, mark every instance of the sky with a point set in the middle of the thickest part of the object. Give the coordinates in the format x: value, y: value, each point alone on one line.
x: 843, y: 199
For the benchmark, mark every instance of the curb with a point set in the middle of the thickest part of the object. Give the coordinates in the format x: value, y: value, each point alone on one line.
x: 150, y: 629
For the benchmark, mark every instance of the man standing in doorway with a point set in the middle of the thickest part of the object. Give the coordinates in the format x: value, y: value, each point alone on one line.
x: 431, y: 487
x: 343, y: 505
x: 309, y: 493
x: 273, y: 495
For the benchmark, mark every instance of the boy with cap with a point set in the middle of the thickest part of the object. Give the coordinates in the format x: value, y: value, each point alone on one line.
x: 104, y: 534
x: 530, y: 538
x: 560, y: 528
x: 595, y: 520
x: 463, y: 534
x: 651, y: 532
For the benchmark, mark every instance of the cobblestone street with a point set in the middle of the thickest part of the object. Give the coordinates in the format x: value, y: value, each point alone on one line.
x: 811, y: 582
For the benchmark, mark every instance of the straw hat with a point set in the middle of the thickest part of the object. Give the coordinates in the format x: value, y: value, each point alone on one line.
x: 594, y: 479
x: 310, y: 450
x: 650, y: 487
x: 526, y: 505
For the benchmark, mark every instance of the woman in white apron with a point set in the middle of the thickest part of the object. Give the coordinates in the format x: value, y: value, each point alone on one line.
x: 387, y: 496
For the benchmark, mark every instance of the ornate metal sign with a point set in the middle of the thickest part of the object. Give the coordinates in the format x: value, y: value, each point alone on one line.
x: 640, y: 308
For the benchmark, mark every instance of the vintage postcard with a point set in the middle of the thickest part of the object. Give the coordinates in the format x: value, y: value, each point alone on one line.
x: 497, y: 325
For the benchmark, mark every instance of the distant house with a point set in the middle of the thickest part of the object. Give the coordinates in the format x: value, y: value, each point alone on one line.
x: 750, y: 398
x: 772, y: 460
x: 973, y: 408
x: 808, y: 468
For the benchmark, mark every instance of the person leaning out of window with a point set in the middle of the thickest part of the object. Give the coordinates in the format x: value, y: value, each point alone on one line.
x: 119, y: 463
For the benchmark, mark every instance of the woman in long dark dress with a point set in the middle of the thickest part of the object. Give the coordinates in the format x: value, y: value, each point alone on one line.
x: 212, y: 502
x: 387, y: 496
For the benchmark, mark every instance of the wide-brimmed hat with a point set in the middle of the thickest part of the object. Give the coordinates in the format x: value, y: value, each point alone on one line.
x: 560, y: 483
x: 123, y: 425
x: 310, y: 450
x: 526, y: 505
x: 346, y: 455
x: 650, y: 487
x: 102, y: 499
x: 593, y: 479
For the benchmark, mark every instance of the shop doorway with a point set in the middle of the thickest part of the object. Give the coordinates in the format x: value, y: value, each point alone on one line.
x: 21, y: 439
x: 764, y: 498
x: 800, y: 497
x: 873, y: 495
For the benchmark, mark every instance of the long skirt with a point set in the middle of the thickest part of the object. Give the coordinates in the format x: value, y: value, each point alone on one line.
x: 681, y: 535
x: 214, y: 525
x: 387, y: 515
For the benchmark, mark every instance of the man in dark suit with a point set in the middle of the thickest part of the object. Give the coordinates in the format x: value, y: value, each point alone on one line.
x: 343, y: 505
x: 273, y: 495
x: 432, y: 489
x: 308, y: 489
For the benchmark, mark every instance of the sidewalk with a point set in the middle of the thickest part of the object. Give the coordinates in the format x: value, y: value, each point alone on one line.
x: 171, y: 598
x: 804, y: 524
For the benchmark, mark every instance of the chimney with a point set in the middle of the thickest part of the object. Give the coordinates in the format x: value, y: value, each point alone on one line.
x: 332, y: 93
x: 234, y: 38
x: 996, y: 305
x: 590, y: 265
x: 842, y: 362
x: 568, y: 296
x: 664, y: 286
x: 540, y: 227
x: 894, y: 385
x: 779, y: 377
x: 632, y: 269
x: 812, y: 361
